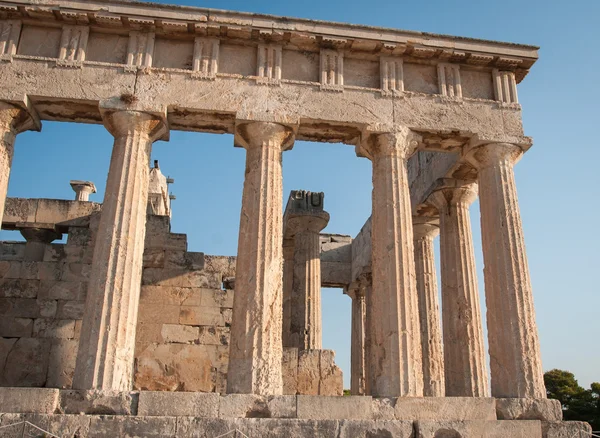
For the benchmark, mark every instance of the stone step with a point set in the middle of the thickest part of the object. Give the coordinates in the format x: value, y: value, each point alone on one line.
x: 96, y: 426
x: 212, y: 405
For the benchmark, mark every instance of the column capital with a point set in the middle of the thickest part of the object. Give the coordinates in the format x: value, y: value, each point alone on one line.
x: 304, y: 212
x: 19, y: 116
x: 449, y: 191
x: 484, y: 155
x: 425, y: 227
x: 253, y: 134
x: 82, y: 189
x: 397, y: 140
x: 40, y: 235
x: 122, y: 119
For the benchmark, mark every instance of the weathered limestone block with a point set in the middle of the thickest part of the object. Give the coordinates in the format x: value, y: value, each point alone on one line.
x: 224, y: 265
x: 192, y: 404
x: 98, y: 402
x: 335, y: 408
x: 62, y: 290
x: 29, y: 400
x: 257, y: 406
x: 516, y: 366
x: 375, y: 429
x: 71, y: 309
x: 395, y: 361
x: 256, y: 345
x: 105, y: 358
x: 16, y: 327
x: 61, y: 365
x: 54, y: 328
x: 122, y: 426
x: 425, y: 230
x: 26, y: 363
x: 180, y: 367
x: 434, y: 408
x: 289, y: 370
x: 179, y: 334
x: 528, y: 409
x: 65, y: 426
x: 318, y: 374
x: 19, y: 288
x: 565, y: 429
x: 28, y: 308
x: 478, y: 429
x: 180, y: 277
x: 214, y: 335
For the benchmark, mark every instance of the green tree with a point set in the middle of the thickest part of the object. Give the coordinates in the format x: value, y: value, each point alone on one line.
x: 578, y: 404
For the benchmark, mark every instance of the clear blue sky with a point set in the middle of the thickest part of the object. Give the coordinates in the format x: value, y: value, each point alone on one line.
x: 556, y: 179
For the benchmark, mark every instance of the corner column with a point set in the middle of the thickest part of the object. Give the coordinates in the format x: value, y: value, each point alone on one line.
x: 106, y: 347
x: 515, y: 359
x: 14, y: 119
x: 256, y: 345
x: 395, y: 338
x: 425, y: 230
x: 464, y: 354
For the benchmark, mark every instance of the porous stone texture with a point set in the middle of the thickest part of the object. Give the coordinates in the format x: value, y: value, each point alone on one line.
x: 565, y: 429
x: 425, y: 230
x: 257, y: 406
x: 100, y: 402
x: 256, y: 347
x: 107, y: 341
x: 28, y: 400
x: 478, y: 429
x: 434, y: 408
x: 514, y: 347
x: 528, y: 409
x: 318, y: 374
x: 288, y: 284
x: 464, y: 355
x: 334, y: 408
x: 178, y: 404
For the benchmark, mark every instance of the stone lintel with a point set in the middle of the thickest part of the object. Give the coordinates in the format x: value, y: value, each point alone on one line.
x: 28, y: 119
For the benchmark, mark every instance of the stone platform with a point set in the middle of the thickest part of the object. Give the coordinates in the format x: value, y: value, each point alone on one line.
x: 87, y: 414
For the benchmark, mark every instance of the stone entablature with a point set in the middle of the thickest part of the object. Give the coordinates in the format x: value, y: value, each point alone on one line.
x: 105, y: 44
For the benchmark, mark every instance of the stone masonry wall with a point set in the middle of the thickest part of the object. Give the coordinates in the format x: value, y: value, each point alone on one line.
x: 184, y: 318
x: 41, y: 306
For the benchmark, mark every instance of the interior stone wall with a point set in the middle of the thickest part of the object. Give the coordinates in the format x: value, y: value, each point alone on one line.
x: 184, y: 317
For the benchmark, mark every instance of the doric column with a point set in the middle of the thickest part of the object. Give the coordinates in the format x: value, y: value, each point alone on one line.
x: 357, y: 350
x: 288, y: 282
x: 464, y: 354
x: 106, y: 346
x: 256, y: 346
x: 14, y: 119
x: 516, y: 366
x: 366, y: 282
x: 304, y: 219
x: 395, y: 339
x: 83, y: 189
x: 425, y: 229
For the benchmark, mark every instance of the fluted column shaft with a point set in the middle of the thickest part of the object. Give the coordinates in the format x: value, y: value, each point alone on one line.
x: 357, y: 348
x: 464, y: 354
x: 367, y: 284
x: 13, y: 120
x: 306, y: 326
x: 395, y: 339
x: 429, y: 309
x: 288, y: 282
x: 515, y: 360
x: 106, y: 347
x: 256, y: 330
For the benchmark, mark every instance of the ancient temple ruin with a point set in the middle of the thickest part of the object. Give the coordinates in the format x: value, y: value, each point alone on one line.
x: 121, y: 331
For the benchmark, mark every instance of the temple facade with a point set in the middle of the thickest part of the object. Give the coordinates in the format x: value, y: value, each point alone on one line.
x: 121, y: 331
